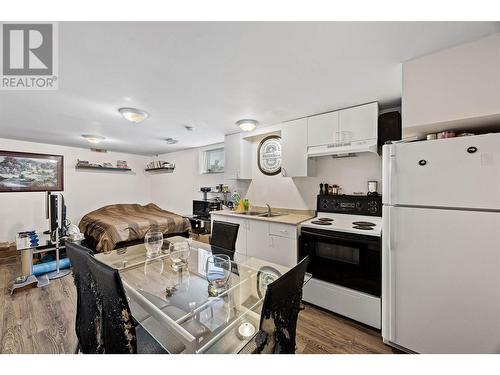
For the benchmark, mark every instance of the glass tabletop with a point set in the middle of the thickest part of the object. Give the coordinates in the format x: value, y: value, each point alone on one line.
x: 175, y: 307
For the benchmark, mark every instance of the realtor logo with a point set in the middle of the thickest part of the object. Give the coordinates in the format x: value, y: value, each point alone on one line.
x: 29, y: 56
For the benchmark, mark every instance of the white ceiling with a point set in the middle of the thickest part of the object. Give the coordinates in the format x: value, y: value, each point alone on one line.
x: 209, y: 75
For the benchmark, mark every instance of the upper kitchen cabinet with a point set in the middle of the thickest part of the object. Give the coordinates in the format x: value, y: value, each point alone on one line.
x: 457, y: 88
x: 323, y: 129
x: 347, y: 131
x: 294, y: 161
x: 238, y: 157
x: 358, y: 123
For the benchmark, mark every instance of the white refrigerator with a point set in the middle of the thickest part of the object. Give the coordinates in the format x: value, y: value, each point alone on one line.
x: 441, y: 245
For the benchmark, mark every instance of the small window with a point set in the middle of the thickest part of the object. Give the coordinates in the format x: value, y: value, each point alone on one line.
x: 213, y: 161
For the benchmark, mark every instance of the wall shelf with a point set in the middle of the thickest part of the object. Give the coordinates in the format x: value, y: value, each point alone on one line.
x: 166, y: 170
x: 103, y: 168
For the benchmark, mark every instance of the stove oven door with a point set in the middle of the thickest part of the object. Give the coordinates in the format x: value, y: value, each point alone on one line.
x: 349, y: 260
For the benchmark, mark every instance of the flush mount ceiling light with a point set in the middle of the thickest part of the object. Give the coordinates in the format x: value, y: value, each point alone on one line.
x: 171, y: 141
x: 247, y: 125
x: 93, y: 138
x: 134, y: 114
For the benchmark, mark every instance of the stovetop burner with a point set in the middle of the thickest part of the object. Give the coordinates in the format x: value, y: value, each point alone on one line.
x: 363, y: 227
x: 363, y: 224
x: 321, y: 222
x: 325, y: 219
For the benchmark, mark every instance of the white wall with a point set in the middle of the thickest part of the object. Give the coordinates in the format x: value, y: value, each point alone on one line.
x: 84, y: 191
x: 176, y: 190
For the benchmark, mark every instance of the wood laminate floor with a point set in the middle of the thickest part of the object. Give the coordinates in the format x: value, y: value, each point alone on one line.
x: 42, y: 321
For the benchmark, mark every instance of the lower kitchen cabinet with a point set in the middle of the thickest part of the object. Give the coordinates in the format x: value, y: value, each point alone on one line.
x: 274, y: 242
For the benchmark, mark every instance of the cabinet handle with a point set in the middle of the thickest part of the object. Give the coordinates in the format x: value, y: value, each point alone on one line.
x: 422, y: 162
x: 472, y: 150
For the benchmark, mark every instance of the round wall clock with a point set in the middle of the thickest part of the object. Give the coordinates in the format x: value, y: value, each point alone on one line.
x: 269, y: 155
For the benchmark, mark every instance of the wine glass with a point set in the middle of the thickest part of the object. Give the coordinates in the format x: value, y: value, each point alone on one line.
x: 153, y: 241
x: 179, y: 255
x: 217, y: 271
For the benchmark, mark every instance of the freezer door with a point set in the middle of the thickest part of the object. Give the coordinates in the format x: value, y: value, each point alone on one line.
x: 459, y: 172
x: 441, y: 275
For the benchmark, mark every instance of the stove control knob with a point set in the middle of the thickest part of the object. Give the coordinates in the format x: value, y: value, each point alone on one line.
x: 358, y: 205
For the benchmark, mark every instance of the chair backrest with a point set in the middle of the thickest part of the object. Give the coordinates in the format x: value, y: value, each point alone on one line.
x: 86, y: 306
x: 116, y: 327
x: 224, y: 235
x: 278, y: 321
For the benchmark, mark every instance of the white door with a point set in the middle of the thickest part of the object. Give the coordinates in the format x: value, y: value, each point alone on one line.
x: 358, y: 123
x: 443, y: 275
x: 322, y: 129
x: 258, y: 239
x: 294, y: 159
x: 456, y: 172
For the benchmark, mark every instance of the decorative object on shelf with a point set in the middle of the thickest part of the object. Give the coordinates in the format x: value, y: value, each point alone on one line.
x: 269, y: 155
x: 159, y: 165
x: 22, y: 171
x: 121, y: 164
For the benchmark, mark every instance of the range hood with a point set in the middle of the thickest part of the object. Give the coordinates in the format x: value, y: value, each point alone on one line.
x: 344, y: 149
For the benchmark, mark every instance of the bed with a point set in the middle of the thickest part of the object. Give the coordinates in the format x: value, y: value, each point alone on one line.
x: 120, y: 225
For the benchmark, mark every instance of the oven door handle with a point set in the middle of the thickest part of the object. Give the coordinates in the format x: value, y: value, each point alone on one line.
x: 317, y: 235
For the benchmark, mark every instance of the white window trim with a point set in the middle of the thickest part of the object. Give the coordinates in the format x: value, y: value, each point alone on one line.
x: 202, y: 155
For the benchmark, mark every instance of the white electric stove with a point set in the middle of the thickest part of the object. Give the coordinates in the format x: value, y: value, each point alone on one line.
x: 343, y: 243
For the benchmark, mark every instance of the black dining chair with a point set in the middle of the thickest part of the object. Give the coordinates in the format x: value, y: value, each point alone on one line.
x: 224, y: 235
x: 86, y: 305
x: 117, y: 332
x: 280, y: 311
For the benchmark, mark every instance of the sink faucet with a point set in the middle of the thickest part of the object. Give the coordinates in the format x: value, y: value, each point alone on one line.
x: 268, y: 209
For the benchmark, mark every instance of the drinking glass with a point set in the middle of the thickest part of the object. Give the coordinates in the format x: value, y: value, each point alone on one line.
x: 179, y: 255
x: 153, y: 240
x: 217, y: 271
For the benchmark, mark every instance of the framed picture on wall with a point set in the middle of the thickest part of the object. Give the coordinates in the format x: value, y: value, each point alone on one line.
x: 22, y: 171
x: 269, y: 155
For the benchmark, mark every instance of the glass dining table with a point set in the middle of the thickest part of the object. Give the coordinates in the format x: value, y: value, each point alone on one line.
x: 175, y: 307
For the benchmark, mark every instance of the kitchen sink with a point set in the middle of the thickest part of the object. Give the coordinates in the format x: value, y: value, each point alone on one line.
x: 271, y: 214
x: 260, y: 214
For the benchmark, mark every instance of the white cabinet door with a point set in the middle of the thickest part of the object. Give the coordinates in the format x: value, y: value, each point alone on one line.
x: 231, y: 156
x: 358, y: 123
x: 282, y: 250
x: 258, y: 239
x: 294, y: 160
x: 241, y: 239
x: 444, y: 277
x: 322, y: 129
x: 238, y: 157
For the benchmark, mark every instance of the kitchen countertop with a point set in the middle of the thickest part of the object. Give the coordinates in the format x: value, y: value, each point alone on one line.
x: 292, y: 217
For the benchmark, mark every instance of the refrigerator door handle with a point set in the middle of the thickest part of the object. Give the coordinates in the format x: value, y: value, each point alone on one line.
x: 388, y: 165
